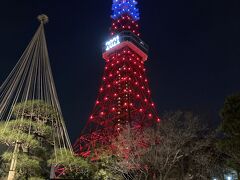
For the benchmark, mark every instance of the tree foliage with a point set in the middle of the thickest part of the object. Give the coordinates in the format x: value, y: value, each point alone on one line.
x: 230, y: 127
x: 75, y: 167
x: 179, y: 147
x: 105, y: 168
x: 30, y: 133
x: 29, y: 165
x: 35, y: 110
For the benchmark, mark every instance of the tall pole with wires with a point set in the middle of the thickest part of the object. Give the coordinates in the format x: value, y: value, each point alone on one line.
x: 31, y: 85
x: 12, y: 171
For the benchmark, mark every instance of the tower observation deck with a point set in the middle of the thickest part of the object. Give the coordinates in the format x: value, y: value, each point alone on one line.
x: 124, y: 96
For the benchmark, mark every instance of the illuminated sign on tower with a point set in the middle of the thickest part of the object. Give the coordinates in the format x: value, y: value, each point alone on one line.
x: 112, y: 43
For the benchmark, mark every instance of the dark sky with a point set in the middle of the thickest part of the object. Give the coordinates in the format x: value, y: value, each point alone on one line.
x: 194, y: 59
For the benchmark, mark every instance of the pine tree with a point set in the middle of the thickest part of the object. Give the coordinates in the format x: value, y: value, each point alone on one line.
x: 29, y: 136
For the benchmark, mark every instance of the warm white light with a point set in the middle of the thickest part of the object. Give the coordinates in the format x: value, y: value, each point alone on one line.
x: 112, y: 43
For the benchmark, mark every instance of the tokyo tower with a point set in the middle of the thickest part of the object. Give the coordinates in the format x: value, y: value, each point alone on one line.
x: 124, y: 96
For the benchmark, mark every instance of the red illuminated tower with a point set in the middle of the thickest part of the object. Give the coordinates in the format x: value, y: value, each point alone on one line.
x: 124, y: 96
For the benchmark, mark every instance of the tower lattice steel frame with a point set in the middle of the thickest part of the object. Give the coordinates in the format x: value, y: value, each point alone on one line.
x: 124, y: 96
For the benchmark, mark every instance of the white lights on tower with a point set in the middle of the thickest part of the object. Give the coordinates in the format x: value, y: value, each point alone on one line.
x: 112, y: 43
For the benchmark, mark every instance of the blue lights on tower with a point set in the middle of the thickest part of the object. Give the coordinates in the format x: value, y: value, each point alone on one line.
x: 121, y: 7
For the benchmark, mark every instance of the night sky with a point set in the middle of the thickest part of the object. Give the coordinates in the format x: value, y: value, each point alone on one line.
x: 194, y: 59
